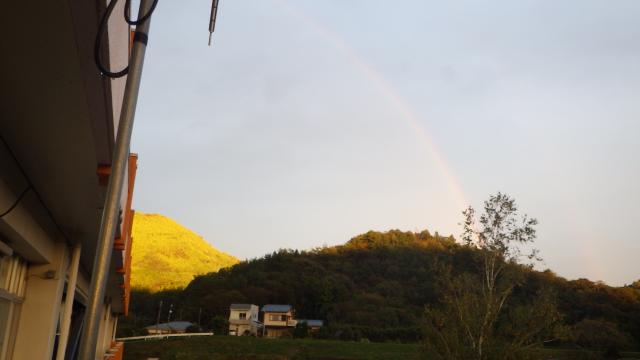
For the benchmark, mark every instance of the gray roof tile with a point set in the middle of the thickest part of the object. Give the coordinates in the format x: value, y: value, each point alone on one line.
x: 278, y: 308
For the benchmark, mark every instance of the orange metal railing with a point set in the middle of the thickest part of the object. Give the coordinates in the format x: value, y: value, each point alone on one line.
x: 124, y: 243
x: 116, y: 352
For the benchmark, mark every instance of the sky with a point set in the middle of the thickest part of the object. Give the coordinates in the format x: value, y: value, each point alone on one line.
x: 309, y: 122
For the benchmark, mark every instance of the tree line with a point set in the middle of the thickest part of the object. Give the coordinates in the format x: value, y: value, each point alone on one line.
x: 469, y: 299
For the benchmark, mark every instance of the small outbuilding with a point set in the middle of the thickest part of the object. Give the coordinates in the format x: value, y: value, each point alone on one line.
x: 313, y: 325
x: 173, y: 327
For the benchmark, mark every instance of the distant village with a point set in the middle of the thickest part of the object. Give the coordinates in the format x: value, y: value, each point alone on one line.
x: 272, y: 321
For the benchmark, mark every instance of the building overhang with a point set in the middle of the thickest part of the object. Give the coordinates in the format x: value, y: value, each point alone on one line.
x: 58, y: 116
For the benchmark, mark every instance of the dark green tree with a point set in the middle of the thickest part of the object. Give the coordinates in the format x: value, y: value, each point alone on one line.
x: 600, y: 335
x: 301, y: 331
x: 219, y: 325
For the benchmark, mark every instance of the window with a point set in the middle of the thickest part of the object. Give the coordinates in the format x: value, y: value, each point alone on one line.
x: 242, y: 316
x: 275, y: 317
x: 13, y: 273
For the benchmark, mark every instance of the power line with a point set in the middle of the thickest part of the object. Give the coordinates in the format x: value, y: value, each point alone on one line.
x: 32, y: 188
x: 15, y: 203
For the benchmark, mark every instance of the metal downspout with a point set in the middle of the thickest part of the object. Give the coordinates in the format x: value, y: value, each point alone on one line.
x: 68, y: 303
x: 110, y: 215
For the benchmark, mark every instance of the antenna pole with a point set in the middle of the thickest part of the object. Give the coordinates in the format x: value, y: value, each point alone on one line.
x: 212, y: 18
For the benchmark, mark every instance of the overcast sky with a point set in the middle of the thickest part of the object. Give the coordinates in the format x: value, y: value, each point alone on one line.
x: 309, y: 122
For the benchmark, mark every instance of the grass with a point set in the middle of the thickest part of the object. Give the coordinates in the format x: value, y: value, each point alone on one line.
x: 249, y: 348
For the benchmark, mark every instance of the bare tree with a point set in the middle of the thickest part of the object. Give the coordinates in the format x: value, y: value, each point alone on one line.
x: 465, y: 326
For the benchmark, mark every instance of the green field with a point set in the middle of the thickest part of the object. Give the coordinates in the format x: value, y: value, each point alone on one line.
x: 248, y: 348
x: 245, y: 348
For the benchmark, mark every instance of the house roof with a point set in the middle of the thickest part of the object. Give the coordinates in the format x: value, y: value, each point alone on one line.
x: 277, y: 308
x: 173, y: 325
x: 313, y: 323
x: 241, y: 306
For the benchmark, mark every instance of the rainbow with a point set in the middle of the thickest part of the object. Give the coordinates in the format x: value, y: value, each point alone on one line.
x: 408, y: 115
x: 385, y: 89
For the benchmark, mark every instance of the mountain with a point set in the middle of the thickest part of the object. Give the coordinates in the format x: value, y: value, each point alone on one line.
x: 166, y: 255
x: 377, y: 285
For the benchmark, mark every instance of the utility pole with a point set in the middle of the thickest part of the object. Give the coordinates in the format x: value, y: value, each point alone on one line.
x: 169, y: 315
x: 158, y: 318
x: 199, y: 316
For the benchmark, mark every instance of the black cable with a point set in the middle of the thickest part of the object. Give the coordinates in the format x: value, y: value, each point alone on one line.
x: 15, y: 203
x: 96, y: 50
x: 30, y: 185
x: 102, y: 28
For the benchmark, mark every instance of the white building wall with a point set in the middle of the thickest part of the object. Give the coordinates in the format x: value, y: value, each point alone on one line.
x: 238, y: 326
x: 252, y: 314
x: 40, y: 310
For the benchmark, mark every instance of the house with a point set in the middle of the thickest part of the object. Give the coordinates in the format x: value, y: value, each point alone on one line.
x: 58, y: 127
x: 313, y: 325
x: 278, y: 320
x: 173, y: 327
x: 243, y: 320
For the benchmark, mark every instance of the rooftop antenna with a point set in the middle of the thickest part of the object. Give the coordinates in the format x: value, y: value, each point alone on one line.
x: 212, y: 19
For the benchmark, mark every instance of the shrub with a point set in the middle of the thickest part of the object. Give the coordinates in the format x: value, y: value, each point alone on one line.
x: 600, y: 334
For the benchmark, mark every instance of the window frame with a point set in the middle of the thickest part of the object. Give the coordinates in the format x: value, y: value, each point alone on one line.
x: 13, y: 283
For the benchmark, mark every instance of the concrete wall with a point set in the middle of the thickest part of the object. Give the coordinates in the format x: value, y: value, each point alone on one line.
x: 40, y: 312
x: 41, y: 308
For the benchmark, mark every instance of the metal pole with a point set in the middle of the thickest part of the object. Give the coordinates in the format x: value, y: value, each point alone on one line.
x: 110, y: 219
x: 68, y: 302
x: 212, y: 18
x: 158, y: 318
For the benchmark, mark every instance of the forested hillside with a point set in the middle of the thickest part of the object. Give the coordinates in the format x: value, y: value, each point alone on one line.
x: 376, y: 286
x: 166, y: 255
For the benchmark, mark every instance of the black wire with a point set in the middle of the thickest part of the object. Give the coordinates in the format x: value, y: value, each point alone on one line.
x: 141, y: 19
x: 30, y: 185
x: 103, y: 26
x: 15, y: 203
x: 96, y: 50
